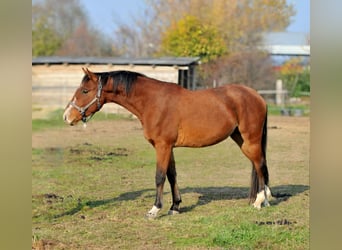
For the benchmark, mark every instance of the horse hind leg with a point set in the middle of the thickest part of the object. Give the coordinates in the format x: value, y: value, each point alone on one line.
x: 259, y: 192
x: 172, y: 177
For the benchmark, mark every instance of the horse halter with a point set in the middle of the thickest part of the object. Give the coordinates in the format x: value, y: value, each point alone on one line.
x: 84, y: 109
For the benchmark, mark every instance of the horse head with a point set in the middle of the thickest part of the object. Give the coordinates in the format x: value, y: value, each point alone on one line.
x: 86, y: 100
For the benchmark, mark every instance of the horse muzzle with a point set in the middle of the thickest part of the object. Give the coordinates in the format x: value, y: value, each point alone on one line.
x: 66, y: 116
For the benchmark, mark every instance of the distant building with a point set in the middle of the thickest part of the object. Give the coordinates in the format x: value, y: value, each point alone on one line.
x: 284, y: 45
x: 54, y: 79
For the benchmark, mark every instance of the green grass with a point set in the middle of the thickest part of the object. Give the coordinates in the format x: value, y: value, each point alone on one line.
x: 54, y: 120
x: 276, y: 110
x: 94, y: 195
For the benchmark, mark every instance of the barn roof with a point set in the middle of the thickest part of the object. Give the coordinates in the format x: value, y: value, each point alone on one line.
x: 164, y: 61
x: 287, y: 43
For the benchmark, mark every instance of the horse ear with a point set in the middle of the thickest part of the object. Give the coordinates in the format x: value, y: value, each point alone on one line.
x: 90, y: 74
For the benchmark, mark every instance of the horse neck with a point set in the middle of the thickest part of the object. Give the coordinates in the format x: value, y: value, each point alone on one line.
x: 136, y: 100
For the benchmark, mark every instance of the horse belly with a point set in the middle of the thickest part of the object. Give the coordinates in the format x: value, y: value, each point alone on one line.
x: 200, y: 135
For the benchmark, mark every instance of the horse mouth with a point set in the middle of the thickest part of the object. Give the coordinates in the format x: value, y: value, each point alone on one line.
x: 72, y: 122
x: 68, y: 121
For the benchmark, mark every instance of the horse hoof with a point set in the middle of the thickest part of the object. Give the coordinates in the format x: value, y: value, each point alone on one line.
x: 152, y: 213
x: 173, y: 212
x: 268, y: 193
x: 266, y: 203
x: 150, y: 216
x: 257, y: 206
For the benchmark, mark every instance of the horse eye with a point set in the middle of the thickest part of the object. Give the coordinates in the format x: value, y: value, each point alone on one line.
x: 85, y: 91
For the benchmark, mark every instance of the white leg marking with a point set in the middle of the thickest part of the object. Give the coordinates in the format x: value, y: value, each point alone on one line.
x: 153, y: 212
x: 259, y: 199
x: 268, y: 195
x: 268, y: 192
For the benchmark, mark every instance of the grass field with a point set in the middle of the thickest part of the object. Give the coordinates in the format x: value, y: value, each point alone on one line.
x: 92, y: 187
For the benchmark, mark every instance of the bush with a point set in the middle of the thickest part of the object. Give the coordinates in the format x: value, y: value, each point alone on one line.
x: 295, y: 77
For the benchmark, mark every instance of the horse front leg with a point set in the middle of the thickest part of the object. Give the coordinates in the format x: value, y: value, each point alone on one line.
x: 163, y: 152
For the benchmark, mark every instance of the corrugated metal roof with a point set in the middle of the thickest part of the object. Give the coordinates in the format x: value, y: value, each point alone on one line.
x: 287, y: 43
x: 164, y: 61
x: 288, y: 50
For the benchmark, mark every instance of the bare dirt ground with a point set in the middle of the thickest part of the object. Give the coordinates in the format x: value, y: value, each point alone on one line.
x: 106, y: 131
x: 287, y: 149
x: 103, y: 131
x: 288, y: 145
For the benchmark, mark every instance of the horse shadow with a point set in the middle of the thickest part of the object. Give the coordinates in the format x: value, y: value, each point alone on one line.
x: 97, y: 203
x: 205, y: 196
x: 208, y: 194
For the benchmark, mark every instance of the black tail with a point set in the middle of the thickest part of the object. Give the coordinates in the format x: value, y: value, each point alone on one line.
x: 255, y: 180
x: 264, y: 137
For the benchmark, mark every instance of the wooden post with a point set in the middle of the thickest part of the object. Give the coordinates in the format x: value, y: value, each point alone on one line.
x: 279, y: 92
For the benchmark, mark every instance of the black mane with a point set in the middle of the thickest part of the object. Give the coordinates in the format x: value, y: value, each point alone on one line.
x: 125, y: 78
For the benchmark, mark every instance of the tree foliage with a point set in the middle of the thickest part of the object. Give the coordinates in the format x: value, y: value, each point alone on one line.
x: 45, y: 41
x: 239, y: 23
x: 252, y: 68
x: 62, y: 28
x: 190, y: 37
x: 295, y: 77
x: 226, y: 34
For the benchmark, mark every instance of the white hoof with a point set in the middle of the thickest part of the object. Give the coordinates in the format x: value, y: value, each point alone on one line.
x: 259, y: 199
x: 152, y: 213
x: 257, y: 206
x: 266, y: 203
x: 173, y: 212
x: 268, y: 193
x: 262, y: 198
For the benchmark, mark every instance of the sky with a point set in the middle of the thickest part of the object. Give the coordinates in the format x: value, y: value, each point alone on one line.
x: 106, y: 14
x: 301, y: 21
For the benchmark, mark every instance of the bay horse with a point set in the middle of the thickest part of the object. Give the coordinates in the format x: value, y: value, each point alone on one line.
x: 172, y: 116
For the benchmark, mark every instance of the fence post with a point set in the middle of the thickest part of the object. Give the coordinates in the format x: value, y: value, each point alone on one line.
x: 279, y: 92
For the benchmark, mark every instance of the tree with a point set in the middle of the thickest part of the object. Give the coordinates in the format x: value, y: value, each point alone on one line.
x: 239, y: 22
x: 253, y: 69
x: 62, y: 28
x: 64, y: 15
x: 85, y: 42
x: 128, y: 42
x: 295, y: 77
x: 52, y: 23
x: 172, y: 28
x: 45, y: 41
x: 190, y: 37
